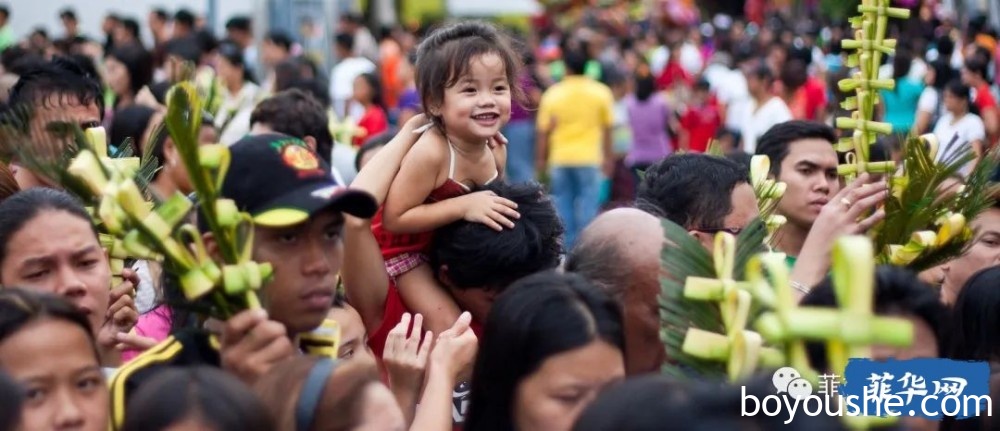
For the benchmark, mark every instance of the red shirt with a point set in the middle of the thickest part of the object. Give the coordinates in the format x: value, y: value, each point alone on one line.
x: 394, y: 309
x: 671, y: 74
x: 374, y: 122
x: 701, y: 123
x: 808, y: 99
x: 984, y: 98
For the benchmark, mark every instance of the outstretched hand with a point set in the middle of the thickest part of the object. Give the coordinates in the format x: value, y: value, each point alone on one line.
x: 455, y: 349
x: 405, y: 356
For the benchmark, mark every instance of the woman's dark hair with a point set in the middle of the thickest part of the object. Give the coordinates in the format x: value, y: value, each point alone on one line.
x: 898, y: 291
x: 11, y: 398
x: 645, y: 86
x: 377, y: 141
x: 21, y: 307
x: 24, y: 206
x: 445, y: 55
x: 659, y: 403
x: 340, y: 402
x: 958, y: 89
x: 373, y: 83
x: 206, y: 393
x: 541, y: 316
x: 139, y: 64
x: 232, y: 53
x: 293, y: 70
x: 975, y: 323
x: 901, y: 65
x: 131, y: 122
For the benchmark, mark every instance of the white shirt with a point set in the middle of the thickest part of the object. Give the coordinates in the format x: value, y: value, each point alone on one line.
x: 755, y: 122
x: 233, y: 120
x: 969, y: 128
x: 730, y: 86
x: 342, y: 80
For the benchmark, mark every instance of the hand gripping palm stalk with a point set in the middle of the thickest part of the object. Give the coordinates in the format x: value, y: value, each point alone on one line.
x: 922, y: 227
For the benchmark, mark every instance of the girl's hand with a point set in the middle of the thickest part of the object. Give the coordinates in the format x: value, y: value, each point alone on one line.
x: 497, y: 141
x: 487, y: 208
x: 405, y: 357
x: 455, y: 348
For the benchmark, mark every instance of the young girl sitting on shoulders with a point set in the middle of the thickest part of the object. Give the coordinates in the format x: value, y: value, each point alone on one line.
x: 466, y: 76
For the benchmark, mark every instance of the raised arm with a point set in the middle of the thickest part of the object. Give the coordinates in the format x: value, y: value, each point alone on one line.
x: 364, y: 276
x: 405, y: 210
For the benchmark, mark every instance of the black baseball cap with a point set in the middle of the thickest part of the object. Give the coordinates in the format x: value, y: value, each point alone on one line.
x: 280, y: 182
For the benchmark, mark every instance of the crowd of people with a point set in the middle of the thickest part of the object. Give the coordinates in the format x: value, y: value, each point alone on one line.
x: 399, y: 198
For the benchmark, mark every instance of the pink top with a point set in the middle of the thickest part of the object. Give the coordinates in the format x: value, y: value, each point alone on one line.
x: 155, y: 324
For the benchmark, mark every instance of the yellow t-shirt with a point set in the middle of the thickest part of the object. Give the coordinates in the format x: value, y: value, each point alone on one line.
x: 577, y: 111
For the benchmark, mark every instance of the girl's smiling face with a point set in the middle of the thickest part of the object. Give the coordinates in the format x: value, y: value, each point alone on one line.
x: 478, y: 104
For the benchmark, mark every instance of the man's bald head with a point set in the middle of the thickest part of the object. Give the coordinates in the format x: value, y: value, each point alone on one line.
x: 620, y: 252
x: 618, y: 239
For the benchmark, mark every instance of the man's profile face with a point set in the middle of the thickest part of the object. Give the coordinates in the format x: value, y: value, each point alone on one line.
x: 810, y: 173
x: 744, y: 210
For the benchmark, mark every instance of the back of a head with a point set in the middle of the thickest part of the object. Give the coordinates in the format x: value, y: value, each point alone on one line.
x: 775, y: 142
x: 974, y: 334
x: 344, y: 41
x: 340, y: 402
x: 239, y: 23
x: 898, y: 292
x: 186, y: 48
x: 478, y: 256
x: 657, y: 403
x: 206, y: 394
x: 978, y: 66
x: 762, y: 72
x: 540, y: 316
x: 296, y: 113
x: 60, y: 78
x: 314, y: 87
x: 794, y: 74
x: 445, y: 56
x: 576, y: 61
x: 901, y: 63
x: 185, y: 18
x: 131, y: 122
x: 692, y: 190
x: 280, y: 39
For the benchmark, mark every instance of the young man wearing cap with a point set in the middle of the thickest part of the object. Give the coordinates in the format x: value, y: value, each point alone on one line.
x: 298, y: 212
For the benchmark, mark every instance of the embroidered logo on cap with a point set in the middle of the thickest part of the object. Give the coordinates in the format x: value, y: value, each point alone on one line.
x: 295, y: 155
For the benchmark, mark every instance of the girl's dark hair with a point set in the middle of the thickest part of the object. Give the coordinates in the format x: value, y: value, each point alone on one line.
x: 378, y: 141
x: 24, y: 206
x: 445, y: 55
x: 975, y: 323
x: 139, y: 64
x: 338, y: 408
x: 21, y: 307
x: 232, y: 53
x: 373, y: 82
x: 206, y: 393
x: 11, y: 398
x: 540, y: 316
x: 131, y: 122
